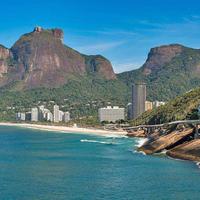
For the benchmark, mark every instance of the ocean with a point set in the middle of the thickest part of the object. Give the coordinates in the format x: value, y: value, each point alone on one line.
x: 41, y: 165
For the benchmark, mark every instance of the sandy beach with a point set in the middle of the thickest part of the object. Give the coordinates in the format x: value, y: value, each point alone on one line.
x: 65, y: 129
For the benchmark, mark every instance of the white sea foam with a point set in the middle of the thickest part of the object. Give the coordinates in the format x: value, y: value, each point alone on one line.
x: 140, y: 142
x: 198, y: 164
x: 163, y: 152
x: 141, y: 152
x: 96, y: 141
x: 115, y: 136
x: 178, y: 159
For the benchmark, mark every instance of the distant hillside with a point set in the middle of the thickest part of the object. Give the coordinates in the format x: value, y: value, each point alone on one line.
x: 180, y: 108
x: 169, y: 71
x: 81, y: 96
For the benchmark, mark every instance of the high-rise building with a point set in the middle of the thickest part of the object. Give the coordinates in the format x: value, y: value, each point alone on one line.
x: 34, y: 114
x: 138, y: 99
x: 111, y: 114
x: 66, y: 117
x: 45, y: 114
x: 41, y: 115
x: 56, y: 113
x: 21, y: 116
x: 28, y: 116
x: 49, y: 116
x: 129, y: 111
x: 61, y: 115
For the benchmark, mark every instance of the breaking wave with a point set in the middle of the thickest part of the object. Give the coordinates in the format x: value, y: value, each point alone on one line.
x: 163, y: 152
x: 198, y: 164
x: 141, y: 152
x: 140, y: 142
x: 95, y: 141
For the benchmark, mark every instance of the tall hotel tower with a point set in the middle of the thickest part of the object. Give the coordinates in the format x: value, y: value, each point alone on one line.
x: 56, y: 113
x: 138, y: 99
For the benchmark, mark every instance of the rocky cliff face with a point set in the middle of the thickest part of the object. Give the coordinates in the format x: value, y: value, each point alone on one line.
x: 187, y: 151
x: 159, y: 56
x: 4, y: 55
x: 41, y: 60
x: 100, y: 65
x: 166, y: 142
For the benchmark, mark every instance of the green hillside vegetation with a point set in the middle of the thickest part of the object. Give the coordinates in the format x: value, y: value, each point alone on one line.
x: 180, y: 108
x: 81, y: 96
x: 173, y: 79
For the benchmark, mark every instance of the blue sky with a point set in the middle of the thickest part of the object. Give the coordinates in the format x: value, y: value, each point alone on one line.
x: 121, y: 30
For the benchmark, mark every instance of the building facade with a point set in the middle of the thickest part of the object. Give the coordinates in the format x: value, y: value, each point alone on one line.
x: 111, y: 114
x: 138, y: 99
x: 20, y: 116
x: 129, y: 111
x: 148, y: 105
x: 56, y: 113
x: 61, y: 116
x: 66, y: 117
x: 34, y: 114
x: 49, y: 117
x: 43, y: 114
x: 158, y: 103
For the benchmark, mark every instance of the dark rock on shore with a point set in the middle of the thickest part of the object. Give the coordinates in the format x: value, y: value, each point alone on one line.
x: 168, y: 141
x: 187, y: 151
x: 140, y: 133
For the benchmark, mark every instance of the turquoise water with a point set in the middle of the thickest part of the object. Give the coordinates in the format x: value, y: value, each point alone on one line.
x: 36, y: 165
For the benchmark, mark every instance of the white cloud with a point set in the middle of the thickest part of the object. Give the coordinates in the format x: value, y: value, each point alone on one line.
x: 100, y: 47
x: 115, y: 32
x: 126, y: 66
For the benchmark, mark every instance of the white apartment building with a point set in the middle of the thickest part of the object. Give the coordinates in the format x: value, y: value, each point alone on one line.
x: 34, y: 114
x: 61, y: 115
x: 49, y: 116
x: 56, y: 113
x: 111, y: 114
x: 66, y: 117
x: 21, y: 116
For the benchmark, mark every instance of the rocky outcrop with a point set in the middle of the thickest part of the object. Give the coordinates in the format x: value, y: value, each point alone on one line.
x: 186, y: 151
x: 100, y: 65
x: 41, y: 60
x: 167, y: 141
x: 4, y: 55
x: 139, y: 133
x: 159, y: 56
x: 4, y: 52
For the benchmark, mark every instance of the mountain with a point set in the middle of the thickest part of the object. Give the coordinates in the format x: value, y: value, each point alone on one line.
x: 39, y: 69
x: 169, y: 71
x: 40, y: 59
x: 180, y: 108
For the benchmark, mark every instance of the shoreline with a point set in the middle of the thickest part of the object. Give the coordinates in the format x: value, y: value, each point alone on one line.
x: 87, y: 131
x: 66, y: 129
